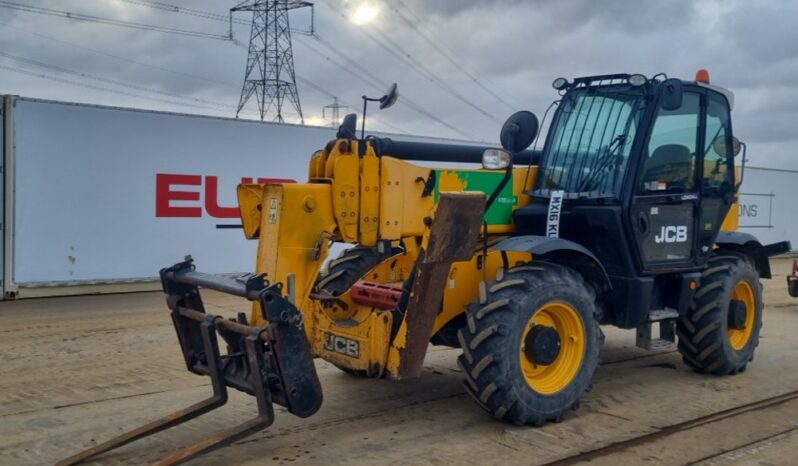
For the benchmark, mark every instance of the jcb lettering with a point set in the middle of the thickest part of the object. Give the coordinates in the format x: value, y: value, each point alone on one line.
x: 672, y: 234
x: 342, y: 345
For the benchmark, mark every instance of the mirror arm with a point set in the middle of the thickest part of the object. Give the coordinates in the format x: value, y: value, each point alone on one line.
x: 506, y: 179
x: 366, y: 101
x: 737, y: 185
x: 507, y: 174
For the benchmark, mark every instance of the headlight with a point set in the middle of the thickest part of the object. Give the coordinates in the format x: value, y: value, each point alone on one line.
x: 495, y: 159
x: 637, y: 80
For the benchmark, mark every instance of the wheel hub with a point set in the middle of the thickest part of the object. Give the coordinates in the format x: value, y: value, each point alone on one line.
x: 542, y: 345
x: 737, y: 315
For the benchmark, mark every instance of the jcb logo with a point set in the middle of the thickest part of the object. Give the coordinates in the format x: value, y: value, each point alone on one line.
x: 342, y: 345
x: 672, y: 234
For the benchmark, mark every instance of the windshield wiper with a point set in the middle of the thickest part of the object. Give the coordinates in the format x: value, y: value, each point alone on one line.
x: 611, y: 158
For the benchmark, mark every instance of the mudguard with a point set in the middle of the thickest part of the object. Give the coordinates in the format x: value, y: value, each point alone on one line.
x: 572, y: 254
x: 748, y: 244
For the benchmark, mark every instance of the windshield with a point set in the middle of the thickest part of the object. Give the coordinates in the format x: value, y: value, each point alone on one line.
x: 591, y: 140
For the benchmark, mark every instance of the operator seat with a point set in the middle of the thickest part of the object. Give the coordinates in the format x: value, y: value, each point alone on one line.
x: 671, y: 163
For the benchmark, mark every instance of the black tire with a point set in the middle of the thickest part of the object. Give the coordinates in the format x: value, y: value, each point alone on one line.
x: 346, y: 270
x: 492, y: 342
x: 704, y: 340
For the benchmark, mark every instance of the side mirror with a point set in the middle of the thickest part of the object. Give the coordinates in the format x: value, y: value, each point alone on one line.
x: 390, y: 97
x: 519, y: 132
x: 348, y: 129
x: 671, y: 95
x: 720, y: 145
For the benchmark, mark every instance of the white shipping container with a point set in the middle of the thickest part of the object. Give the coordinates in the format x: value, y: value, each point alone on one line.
x: 766, y: 205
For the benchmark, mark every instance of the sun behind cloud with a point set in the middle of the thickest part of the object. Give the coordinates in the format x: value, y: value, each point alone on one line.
x: 364, y: 13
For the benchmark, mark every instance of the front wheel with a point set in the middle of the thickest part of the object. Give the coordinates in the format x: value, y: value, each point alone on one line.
x: 721, y: 329
x: 531, y: 344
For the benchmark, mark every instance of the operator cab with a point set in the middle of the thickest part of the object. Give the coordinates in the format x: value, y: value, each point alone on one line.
x: 643, y: 169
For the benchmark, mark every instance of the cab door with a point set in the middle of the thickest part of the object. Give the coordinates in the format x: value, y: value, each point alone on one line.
x: 718, y: 175
x: 666, y: 202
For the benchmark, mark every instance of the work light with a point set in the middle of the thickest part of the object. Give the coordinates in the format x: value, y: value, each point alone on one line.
x: 495, y: 159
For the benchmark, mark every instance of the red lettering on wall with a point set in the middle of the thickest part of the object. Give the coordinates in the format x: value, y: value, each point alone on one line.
x: 212, y: 200
x: 165, y: 194
x: 166, y: 191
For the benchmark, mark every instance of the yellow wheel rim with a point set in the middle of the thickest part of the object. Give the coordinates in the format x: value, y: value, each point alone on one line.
x: 565, y: 319
x: 743, y: 292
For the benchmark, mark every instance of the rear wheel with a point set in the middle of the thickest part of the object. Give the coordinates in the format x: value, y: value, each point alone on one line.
x: 721, y: 329
x: 531, y: 345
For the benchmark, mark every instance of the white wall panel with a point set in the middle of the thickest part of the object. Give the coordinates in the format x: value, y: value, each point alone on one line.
x: 768, y: 205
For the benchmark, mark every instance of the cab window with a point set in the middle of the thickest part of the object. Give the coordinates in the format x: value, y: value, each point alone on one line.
x: 671, y: 156
x: 718, y: 145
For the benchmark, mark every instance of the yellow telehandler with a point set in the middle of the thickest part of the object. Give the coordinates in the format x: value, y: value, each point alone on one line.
x: 626, y: 217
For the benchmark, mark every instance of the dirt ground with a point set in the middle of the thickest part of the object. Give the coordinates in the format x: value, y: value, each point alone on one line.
x: 76, y: 371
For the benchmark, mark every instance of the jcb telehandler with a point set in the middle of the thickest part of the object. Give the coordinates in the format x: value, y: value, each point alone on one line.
x: 627, y: 217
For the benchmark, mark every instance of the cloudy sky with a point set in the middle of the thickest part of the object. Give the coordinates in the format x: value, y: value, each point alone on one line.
x: 462, y: 65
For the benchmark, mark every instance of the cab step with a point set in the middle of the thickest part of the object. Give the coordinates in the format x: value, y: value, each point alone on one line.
x: 665, y: 319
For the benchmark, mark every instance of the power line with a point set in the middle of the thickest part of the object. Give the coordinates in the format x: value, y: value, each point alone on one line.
x: 454, y: 54
x: 120, y: 58
x: 306, y: 82
x: 219, y: 17
x: 29, y: 61
x: 399, y: 52
x: 419, y: 22
x: 187, y: 11
x: 99, y: 88
x: 369, y: 82
x: 362, y: 71
x: 108, y: 21
x: 329, y: 94
x: 202, y: 14
x: 378, y: 83
x: 438, y: 48
x: 173, y: 8
x: 375, y: 81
